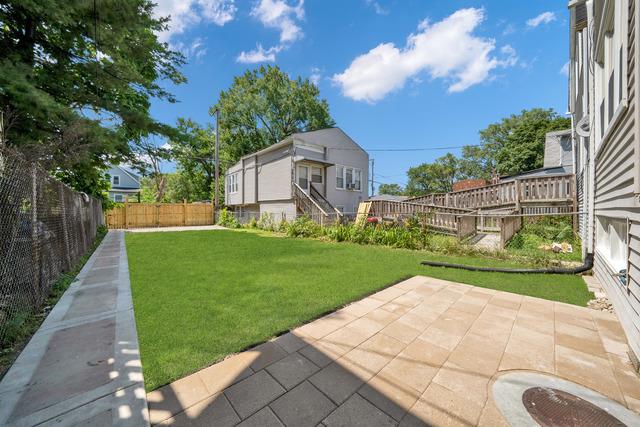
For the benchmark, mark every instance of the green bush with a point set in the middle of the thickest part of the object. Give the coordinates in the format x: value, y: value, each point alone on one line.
x: 253, y: 223
x: 304, y: 226
x: 227, y: 219
x: 266, y: 222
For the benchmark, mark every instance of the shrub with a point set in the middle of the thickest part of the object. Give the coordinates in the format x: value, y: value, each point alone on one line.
x: 266, y: 222
x: 304, y: 226
x: 227, y: 219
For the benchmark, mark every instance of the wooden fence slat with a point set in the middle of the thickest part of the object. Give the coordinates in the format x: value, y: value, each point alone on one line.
x: 143, y: 215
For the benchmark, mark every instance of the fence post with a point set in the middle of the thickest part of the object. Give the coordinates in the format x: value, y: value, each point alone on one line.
x: 517, y: 184
x: 35, y: 247
x: 184, y: 211
x: 126, y: 216
x: 65, y: 229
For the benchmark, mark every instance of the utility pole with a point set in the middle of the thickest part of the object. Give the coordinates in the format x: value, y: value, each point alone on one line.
x: 216, y: 199
x: 372, y: 179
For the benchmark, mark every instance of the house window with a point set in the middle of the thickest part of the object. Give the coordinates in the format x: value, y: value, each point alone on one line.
x: 611, y: 241
x: 303, y: 177
x: 348, y: 178
x: 316, y: 175
x: 115, y: 179
x: 232, y: 183
x: 357, y: 179
x: 340, y: 177
x: 611, y: 80
x: 117, y: 198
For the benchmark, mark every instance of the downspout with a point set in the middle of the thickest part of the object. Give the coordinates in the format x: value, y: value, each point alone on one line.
x: 592, y: 137
x: 636, y: 183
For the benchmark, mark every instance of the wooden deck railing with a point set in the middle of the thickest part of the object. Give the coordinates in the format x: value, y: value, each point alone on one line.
x: 440, y: 217
x: 555, y: 188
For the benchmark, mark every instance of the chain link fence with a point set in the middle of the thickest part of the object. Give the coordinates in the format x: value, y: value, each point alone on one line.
x: 45, y: 228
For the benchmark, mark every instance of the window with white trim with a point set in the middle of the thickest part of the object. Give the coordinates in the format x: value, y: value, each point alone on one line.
x: 232, y: 183
x: 348, y: 178
x: 340, y: 177
x: 316, y: 175
x: 611, y: 78
x: 117, y: 198
x: 611, y: 241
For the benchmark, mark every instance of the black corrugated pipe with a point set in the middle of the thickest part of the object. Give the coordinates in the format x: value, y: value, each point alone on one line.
x: 588, y: 265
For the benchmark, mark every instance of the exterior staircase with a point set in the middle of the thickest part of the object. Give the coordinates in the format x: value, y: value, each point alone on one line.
x: 315, y: 205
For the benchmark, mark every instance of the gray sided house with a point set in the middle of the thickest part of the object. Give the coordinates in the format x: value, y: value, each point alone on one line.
x: 604, y: 80
x: 558, y: 157
x: 125, y: 185
x: 322, y: 173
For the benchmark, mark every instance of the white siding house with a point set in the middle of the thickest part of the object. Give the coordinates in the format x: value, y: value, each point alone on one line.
x: 603, y: 86
x: 323, y: 170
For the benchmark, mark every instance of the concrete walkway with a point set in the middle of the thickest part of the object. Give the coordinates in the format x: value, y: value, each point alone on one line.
x: 422, y: 352
x: 83, y: 364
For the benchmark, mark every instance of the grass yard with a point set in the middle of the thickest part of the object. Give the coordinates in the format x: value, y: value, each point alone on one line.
x: 201, y: 295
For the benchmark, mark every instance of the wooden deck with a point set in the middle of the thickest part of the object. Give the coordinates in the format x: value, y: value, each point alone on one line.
x: 487, y: 209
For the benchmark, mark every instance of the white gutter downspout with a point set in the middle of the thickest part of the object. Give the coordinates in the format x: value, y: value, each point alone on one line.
x: 636, y: 126
x: 592, y: 137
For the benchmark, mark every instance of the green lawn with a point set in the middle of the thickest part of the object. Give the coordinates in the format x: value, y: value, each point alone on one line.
x: 201, y: 295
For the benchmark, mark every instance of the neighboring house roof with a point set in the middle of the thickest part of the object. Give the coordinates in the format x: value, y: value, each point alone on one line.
x: 557, y: 170
x: 131, y: 175
x: 389, y: 197
x: 302, y: 136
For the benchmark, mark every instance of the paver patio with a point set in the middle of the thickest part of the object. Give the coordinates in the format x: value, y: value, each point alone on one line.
x: 424, y: 351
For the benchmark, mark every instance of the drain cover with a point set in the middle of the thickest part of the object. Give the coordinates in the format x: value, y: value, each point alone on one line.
x: 553, y: 407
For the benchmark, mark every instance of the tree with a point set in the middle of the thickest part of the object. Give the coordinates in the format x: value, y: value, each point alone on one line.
x: 78, y: 76
x: 391, y: 189
x: 262, y: 107
x: 149, y: 163
x: 193, y: 152
x: 436, y: 177
x: 513, y: 145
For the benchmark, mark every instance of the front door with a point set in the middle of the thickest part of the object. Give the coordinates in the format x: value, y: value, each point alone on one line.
x: 303, y: 177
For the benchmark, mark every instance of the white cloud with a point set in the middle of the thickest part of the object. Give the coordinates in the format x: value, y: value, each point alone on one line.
x: 259, y: 54
x: 195, y: 49
x: 377, y: 7
x: 565, y: 69
x: 281, y: 16
x: 315, y: 75
x: 187, y: 13
x: 543, y: 18
x: 446, y: 50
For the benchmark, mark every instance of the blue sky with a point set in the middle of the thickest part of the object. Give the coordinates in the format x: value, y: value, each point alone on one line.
x: 396, y: 73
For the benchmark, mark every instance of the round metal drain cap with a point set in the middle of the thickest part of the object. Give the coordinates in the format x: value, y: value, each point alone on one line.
x: 552, y: 407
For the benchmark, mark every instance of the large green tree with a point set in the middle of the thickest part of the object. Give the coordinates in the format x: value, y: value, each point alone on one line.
x: 193, y: 153
x: 78, y: 77
x: 391, y: 189
x: 514, y: 144
x: 436, y: 177
x: 263, y: 106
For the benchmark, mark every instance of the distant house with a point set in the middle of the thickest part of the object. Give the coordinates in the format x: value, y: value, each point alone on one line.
x: 558, y: 157
x: 124, y: 184
x: 322, y: 173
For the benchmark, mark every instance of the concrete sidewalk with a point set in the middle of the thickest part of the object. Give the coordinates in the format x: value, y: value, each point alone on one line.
x: 83, y: 364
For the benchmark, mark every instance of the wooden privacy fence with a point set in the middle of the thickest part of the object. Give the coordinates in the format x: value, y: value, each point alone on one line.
x: 142, y: 215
